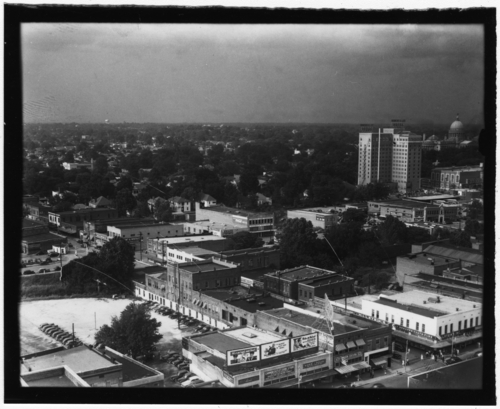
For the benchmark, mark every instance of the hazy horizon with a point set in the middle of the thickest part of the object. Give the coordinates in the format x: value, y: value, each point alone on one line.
x: 261, y: 74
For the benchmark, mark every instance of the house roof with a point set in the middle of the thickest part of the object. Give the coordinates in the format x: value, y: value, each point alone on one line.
x: 177, y: 199
x: 101, y: 201
x: 206, y: 197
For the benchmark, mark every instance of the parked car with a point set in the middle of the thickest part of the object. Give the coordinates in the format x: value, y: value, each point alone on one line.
x: 53, y: 254
x: 43, y: 270
x: 194, y: 383
x: 41, y: 326
x: 478, y: 353
x: 378, y: 385
x: 186, y: 377
x: 38, y: 261
x: 58, y: 268
x: 178, y: 375
x: 28, y: 272
x: 48, y: 327
x: 189, y: 381
x: 452, y: 360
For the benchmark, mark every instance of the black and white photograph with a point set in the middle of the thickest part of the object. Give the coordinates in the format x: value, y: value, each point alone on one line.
x: 227, y: 203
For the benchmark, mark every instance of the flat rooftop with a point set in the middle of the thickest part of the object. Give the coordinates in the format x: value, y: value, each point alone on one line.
x: 53, y: 381
x: 237, y: 212
x: 242, y: 297
x: 342, y: 323
x: 201, y: 267
x: 190, y: 239
x: 258, y: 250
x: 303, y: 272
x: 43, y: 237
x: 462, y: 253
x: 218, y: 226
x: 253, y: 336
x: 317, y: 282
x: 423, y: 258
x: 27, y: 223
x: 198, y: 251
x: 425, y: 312
x: 131, y: 370
x: 402, y: 203
x: 323, y: 211
x: 220, y: 342
x: 450, y: 281
x: 448, y: 305
x: 79, y: 359
x: 433, y: 197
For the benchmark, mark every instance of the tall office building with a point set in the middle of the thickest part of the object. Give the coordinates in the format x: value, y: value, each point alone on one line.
x: 390, y: 155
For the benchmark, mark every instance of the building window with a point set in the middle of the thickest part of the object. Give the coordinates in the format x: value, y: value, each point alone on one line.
x: 477, y: 321
x: 446, y: 329
x: 459, y: 325
x: 471, y: 323
x: 402, y: 322
x: 373, y: 313
x: 451, y: 328
x: 386, y: 341
x: 386, y: 317
x: 408, y: 323
x: 392, y: 319
x: 417, y: 325
x: 465, y: 324
x: 300, y: 292
x: 423, y: 327
x: 377, y: 313
x: 377, y: 343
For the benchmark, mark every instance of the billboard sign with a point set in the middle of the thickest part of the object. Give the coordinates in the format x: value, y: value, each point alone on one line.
x: 305, y: 342
x: 272, y: 349
x: 242, y: 356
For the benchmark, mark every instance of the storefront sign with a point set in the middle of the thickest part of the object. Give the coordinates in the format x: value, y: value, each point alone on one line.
x: 279, y: 373
x: 304, y: 342
x: 255, y: 378
x: 272, y: 349
x: 241, y: 356
x: 314, y: 363
x: 246, y: 282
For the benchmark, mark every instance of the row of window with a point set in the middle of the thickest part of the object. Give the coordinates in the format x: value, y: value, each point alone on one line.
x: 466, y: 324
x: 260, y: 221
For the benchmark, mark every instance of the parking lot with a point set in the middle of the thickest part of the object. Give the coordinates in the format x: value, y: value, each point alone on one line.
x: 88, y: 315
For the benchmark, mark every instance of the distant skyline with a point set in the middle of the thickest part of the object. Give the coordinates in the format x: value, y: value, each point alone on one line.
x: 199, y: 73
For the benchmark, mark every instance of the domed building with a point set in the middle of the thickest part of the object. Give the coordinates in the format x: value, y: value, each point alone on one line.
x: 456, y: 133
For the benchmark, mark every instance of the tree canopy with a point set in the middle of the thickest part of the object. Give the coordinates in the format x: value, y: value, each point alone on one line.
x: 134, y: 332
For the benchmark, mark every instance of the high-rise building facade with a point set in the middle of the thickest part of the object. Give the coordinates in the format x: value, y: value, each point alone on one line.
x: 391, y: 155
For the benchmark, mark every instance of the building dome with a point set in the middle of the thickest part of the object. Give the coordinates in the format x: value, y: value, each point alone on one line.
x: 457, y: 125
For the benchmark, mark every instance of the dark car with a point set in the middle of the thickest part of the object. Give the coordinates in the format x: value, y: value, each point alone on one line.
x: 186, y: 377
x: 452, y: 360
x: 378, y: 385
x: 178, y: 375
x: 28, y: 272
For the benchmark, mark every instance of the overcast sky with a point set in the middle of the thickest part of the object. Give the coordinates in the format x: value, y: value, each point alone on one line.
x: 252, y: 73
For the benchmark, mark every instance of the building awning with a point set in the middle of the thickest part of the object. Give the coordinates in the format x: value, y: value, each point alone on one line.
x: 205, y: 305
x: 378, y: 362
x: 351, y: 344
x: 360, y: 342
x: 195, y: 301
x: 340, y: 347
x: 352, y: 368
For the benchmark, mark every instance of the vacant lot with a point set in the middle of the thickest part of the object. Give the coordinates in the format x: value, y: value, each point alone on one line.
x: 88, y: 315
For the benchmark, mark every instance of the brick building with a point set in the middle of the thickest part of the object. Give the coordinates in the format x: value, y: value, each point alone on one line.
x: 425, y: 263
x: 415, y: 211
x: 36, y: 237
x: 73, y: 221
x: 358, y: 344
x: 253, y: 259
x: 318, y: 217
x: 286, y: 283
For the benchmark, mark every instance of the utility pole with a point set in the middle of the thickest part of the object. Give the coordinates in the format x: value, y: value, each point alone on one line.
x: 406, y: 355
x: 140, y: 244
x: 60, y: 259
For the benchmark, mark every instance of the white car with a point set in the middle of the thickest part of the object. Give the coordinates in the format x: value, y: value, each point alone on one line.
x: 188, y: 382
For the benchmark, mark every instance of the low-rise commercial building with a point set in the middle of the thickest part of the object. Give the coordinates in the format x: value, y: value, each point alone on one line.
x: 247, y: 357
x: 415, y: 211
x: 261, y: 224
x: 210, y: 227
x: 73, y: 220
x: 358, y: 344
x: 159, y: 249
x: 136, y: 232
x: 454, y: 177
x: 318, y: 217
x: 253, y: 259
x: 425, y: 320
x: 86, y: 366
x: 36, y: 237
x: 425, y: 263
x: 286, y: 283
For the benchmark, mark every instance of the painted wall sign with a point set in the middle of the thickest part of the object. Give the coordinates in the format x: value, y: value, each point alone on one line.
x: 304, y: 342
x: 244, y: 355
x: 272, y: 349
